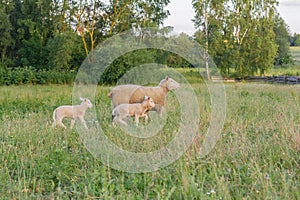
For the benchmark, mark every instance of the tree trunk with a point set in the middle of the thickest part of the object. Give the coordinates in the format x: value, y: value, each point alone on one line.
x: 206, y: 44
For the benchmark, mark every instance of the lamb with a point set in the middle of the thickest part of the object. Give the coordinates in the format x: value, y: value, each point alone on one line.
x: 137, y: 109
x: 74, y: 112
x: 135, y: 93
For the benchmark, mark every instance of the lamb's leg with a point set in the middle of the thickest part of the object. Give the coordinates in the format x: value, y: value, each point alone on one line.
x: 83, y: 122
x: 54, y: 119
x: 122, y: 116
x: 117, y: 119
x: 62, y: 125
x: 114, y: 120
x: 146, y: 117
x: 136, y: 119
x: 122, y: 121
x: 53, y: 124
x: 72, y: 123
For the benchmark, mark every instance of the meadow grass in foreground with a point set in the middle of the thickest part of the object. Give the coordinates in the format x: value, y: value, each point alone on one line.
x: 257, y: 156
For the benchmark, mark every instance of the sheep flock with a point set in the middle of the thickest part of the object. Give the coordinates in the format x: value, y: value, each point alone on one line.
x: 127, y: 100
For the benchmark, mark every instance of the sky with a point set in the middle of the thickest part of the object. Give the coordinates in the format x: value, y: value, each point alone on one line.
x: 181, y: 14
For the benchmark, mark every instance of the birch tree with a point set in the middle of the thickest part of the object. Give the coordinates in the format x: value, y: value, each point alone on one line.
x: 240, y: 34
x: 208, y: 19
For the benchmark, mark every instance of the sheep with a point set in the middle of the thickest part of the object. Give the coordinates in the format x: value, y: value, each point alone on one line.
x: 74, y: 112
x: 137, y: 109
x: 135, y: 93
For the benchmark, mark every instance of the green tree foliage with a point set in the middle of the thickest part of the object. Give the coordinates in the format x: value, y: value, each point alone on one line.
x: 6, y: 41
x: 35, y: 24
x: 37, y: 16
x: 54, y: 34
x: 96, y: 21
x: 65, y: 51
x: 182, y: 43
x: 209, y: 17
x: 244, y: 37
x: 238, y: 34
x: 126, y: 62
x: 294, y: 40
x: 282, y: 40
x: 33, y: 52
x: 136, y: 14
x: 123, y: 15
x: 150, y: 13
x: 89, y: 18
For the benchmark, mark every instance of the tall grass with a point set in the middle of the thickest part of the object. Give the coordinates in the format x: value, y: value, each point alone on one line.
x: 257, y: 156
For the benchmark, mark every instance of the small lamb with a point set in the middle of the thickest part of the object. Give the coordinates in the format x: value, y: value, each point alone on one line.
x: 74, y: 112
x: 135, y: 93
x: 137, y: 109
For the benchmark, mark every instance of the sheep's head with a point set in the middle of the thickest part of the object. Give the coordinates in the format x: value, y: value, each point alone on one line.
x: 149, y: 102
x: 169, y: 83
x: 87, y: 102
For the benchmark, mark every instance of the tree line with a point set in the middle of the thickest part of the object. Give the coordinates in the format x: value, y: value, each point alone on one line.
x: 40, y: 37
x: 244, y: 37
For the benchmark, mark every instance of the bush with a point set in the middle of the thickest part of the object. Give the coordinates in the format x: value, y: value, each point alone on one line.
x: 3, y: 72
x: 29, y: 75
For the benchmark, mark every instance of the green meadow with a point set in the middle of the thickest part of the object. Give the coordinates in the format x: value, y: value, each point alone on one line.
x: 295, y: 52
x: 256, y: 157
x: 288, y: 69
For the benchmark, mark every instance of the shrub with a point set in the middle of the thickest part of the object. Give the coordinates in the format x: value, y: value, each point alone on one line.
x: 29, y: 75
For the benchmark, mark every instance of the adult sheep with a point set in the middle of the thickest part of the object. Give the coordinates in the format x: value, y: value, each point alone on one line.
x: 136, y: 93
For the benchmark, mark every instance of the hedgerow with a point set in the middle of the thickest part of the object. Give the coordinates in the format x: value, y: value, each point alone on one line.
x: 30, y: 75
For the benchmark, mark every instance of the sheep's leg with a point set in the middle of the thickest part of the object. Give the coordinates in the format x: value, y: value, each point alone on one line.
x: 72, y: 123
x: 136, y: 119
x: 114, y: 120
x: 83, y: 122
x: 54, y: 119
x: 120, y: 119
x: 159, y: 110
x: 146, y: 118
x: 53, y: 124
x: 123, y: 122
x: 62, y: 125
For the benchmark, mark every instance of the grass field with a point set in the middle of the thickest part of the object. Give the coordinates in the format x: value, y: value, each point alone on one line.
x: 257, y: 156
x: 295, y: 52
x: 288, y: 69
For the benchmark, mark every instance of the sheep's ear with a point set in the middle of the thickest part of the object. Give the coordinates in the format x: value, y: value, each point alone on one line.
x: 81, y: 99
x: 146, y: 97
x: 167, y: 78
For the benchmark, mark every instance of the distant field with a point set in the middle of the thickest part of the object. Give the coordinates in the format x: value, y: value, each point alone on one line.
x: 257, y: 156
x: 295, y: 51
x: 289, y: 69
